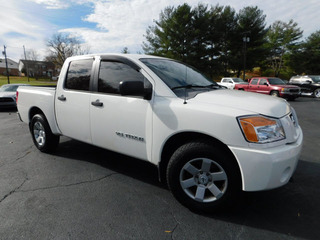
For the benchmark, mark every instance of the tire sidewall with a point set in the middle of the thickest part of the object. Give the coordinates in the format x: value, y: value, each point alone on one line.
x: 315, y: 92
x: 274, y: 93
x: 202, y: 150
x: 51, y: 140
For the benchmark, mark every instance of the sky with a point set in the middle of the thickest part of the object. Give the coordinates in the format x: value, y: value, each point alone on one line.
x: 107, y: 26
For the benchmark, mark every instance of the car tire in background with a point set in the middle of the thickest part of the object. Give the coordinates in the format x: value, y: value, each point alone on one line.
x: 316, y: 93
x: 274, y: 93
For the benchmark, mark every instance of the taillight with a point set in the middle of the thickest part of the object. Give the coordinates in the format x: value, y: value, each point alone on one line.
x: 17, y: 94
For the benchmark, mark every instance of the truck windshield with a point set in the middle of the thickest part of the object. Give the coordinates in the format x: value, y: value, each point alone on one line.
x: 316, y: 79
x: 178, y: 75
x: 238, y: 80
x: 276, y: 81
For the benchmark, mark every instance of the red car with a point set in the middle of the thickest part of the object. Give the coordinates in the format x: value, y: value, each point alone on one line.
x: 271, y: 86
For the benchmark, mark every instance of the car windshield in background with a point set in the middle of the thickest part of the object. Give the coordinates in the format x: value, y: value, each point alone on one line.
x: 276, y: 81
x: 9, y: 88
x: 238, y: 80
x: 178, y: 75
x: 316, y: 79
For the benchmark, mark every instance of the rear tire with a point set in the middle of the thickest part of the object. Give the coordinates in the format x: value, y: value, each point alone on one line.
x: 203, y: 178
x: 42, y: 135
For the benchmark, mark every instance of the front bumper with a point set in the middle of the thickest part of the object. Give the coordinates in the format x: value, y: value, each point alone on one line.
x: 289, y: 94
x: 268, y: 168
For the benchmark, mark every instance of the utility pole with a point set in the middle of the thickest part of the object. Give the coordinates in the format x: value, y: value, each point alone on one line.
x: 245, y: 40
x: 5, y: 56
x: 25, y: 57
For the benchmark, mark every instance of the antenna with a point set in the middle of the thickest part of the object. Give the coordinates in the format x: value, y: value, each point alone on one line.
x: 185, y: 89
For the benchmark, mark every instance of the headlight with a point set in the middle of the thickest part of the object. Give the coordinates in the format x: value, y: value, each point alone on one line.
x: 285, y: 90
x: 259, y: 129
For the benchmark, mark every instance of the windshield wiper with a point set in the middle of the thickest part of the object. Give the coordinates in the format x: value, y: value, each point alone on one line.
x: 196, y: 86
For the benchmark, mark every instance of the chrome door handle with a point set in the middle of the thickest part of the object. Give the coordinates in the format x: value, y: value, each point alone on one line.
x: 62, y: 98
x: 97, y: 103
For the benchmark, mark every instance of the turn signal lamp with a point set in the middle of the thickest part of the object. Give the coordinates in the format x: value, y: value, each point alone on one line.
x: 260, y: 129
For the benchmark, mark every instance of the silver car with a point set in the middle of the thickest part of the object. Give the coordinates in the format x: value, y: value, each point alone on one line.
x: 8, y: 95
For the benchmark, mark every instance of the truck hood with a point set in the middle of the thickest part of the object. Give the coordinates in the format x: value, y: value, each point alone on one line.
x: 253, y: 103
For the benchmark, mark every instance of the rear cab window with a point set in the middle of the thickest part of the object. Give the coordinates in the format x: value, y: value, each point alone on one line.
x: 78, y: 75
x: 254, y: 81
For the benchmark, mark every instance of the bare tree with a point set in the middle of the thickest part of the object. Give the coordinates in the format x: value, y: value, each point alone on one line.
x: 125, y: 50
x: 61, y: 46
x: 32, y: 55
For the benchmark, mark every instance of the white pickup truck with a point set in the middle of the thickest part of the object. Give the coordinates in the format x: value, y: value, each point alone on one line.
x: 230, y: 82
x: 208, y: 143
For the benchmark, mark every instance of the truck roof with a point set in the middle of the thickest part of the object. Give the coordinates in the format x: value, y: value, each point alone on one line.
x: 129, y: 56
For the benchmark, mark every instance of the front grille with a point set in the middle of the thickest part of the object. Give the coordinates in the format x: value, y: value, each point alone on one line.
x: 294, y: 90
x: 6, y: 99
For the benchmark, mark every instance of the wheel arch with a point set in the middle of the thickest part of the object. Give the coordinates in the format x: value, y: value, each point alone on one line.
x: 274, y: 90
x: 179, y: 139
x: 33, y: 111
x: 49, y: 117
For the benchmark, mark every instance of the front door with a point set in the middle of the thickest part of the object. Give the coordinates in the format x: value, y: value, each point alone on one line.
x: 120, y: 123
x: 263, y: 86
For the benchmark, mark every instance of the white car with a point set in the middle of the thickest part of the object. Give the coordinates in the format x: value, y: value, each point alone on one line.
x: 208, y: 143
x: 8, y: 95
x: 230, y: 82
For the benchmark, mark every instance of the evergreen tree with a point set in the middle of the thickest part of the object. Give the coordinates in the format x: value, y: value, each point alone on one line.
x: 282, y: 39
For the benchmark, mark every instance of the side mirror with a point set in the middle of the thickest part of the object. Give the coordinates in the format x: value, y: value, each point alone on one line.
x: 267, y: 84
x: 308, y: 82
x: 135, y: 88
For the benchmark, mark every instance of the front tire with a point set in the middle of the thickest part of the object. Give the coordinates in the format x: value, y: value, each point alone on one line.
x: 316, y: 93
x: 203, y: 177
x: 42, y: 135
x: 274, y: 93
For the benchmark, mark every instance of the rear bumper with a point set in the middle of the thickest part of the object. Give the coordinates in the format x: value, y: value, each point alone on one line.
x: 8, y: 104
x: 268, y: 168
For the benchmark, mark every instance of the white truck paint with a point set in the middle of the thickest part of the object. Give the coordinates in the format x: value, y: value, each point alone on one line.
x: 206, y: 141
x: 230, y: 82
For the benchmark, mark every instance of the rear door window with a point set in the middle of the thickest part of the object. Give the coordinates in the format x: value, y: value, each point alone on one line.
x: 78, y: 76
x: 254, y: 81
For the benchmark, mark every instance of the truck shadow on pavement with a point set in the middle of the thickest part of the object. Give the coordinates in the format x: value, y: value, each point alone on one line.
x: 135, y: 168
x: 292, y: 210
x: 8, y: 110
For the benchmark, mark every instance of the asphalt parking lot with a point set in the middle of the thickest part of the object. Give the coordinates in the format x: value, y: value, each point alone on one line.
x: 84, y: 192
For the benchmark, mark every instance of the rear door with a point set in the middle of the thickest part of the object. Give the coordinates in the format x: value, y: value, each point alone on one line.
x: 120, y: 123
x: 72, y: 103
x: 253, y: 85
